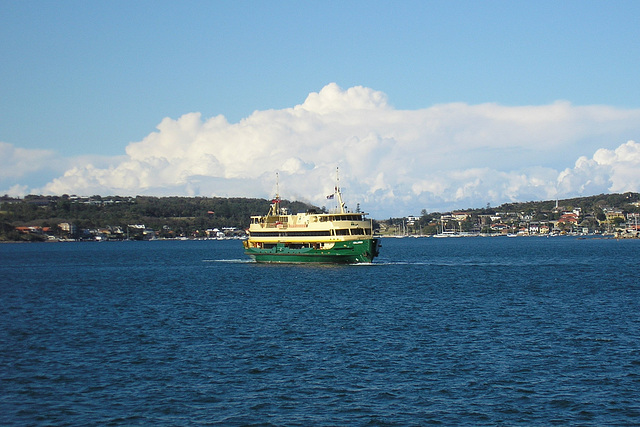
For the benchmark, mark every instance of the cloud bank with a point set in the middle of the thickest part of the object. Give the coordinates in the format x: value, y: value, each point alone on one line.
x: 17, y: 164
x: 392, y: 162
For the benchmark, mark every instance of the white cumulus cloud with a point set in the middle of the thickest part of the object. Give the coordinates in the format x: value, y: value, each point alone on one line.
x: 615, y: 170
x: 392, y: 162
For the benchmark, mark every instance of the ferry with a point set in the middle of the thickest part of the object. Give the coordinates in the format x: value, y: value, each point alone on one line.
x: 312, y: 237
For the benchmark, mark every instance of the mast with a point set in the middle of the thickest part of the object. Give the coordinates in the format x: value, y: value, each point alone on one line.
x: 275, y: 203
x: 338, y: 193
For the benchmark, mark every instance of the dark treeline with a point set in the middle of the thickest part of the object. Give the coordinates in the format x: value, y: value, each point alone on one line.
x: 185, y: 216
x: 182, y: 215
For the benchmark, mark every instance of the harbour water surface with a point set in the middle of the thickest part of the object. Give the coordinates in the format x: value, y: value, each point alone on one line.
x: 467, y: 331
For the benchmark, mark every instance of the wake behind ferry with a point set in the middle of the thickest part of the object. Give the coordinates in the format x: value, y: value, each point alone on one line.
x: 312, y: 237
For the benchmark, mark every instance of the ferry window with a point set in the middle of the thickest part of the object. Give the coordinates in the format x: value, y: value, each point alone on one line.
x: 305, y: 233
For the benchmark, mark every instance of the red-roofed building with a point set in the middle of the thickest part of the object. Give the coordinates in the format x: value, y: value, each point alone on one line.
x: 569, y: 218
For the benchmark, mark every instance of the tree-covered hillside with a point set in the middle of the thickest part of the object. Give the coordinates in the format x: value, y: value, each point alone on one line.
x: 192, y: 216
x: 592, y: 215
x: 174, y: 216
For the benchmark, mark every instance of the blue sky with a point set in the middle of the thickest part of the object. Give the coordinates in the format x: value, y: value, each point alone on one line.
x: 85, y: 80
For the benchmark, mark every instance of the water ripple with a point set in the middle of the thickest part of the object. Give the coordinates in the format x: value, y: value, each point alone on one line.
x: 465, y: 332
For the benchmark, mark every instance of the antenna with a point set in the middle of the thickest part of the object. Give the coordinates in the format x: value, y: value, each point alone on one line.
x: 338, y: 193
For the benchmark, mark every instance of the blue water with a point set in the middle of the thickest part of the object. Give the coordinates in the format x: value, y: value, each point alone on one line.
x: 475, y: 331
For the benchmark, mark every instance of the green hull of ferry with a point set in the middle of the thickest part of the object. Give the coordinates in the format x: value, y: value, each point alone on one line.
x: 346, y: 252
